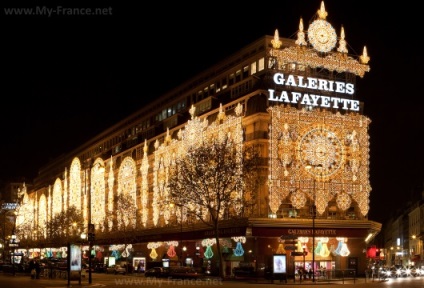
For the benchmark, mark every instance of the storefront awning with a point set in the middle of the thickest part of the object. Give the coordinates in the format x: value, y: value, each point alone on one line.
x: 416, y: 258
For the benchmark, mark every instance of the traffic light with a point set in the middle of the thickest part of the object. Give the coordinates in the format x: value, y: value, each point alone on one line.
x: 90, y: 228
x: 91, y: 237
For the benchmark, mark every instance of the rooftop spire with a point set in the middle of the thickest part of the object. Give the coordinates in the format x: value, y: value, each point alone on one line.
x: 322, y: 14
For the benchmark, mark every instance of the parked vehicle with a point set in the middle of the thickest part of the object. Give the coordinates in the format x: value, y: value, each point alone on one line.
x: 184, y: 273
x: 99, y: 267
x: 120, y: 269
x: 116, y: 269
x: 86, y: 268
x: 158, y: 272
x: 110, y: 269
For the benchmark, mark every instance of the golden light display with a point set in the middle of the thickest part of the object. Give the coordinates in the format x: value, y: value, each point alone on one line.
x: 111, y: 180
x: 194, y: 134
x: 144, y: 169
x: 337, y: 143
x: 127, y: 186
x: 98, y: 209
x: 323, y: 38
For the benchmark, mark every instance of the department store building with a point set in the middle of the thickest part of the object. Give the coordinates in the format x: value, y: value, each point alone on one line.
x: 296, y: 100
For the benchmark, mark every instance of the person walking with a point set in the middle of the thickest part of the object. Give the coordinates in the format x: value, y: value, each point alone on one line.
x: 310, y: 273
x: 32, y: 269
x: 37, y: 269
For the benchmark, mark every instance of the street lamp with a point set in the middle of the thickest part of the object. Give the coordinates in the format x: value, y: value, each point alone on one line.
x: 96, y: 168
x: 90, y: 247
x: 13, y: 242
x: 314, y: 211
x: 183, y: 248
x: 313, y: 236
x: 4, y: 236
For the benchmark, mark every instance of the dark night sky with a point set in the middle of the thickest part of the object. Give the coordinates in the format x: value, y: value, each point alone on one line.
x: 67, y: 78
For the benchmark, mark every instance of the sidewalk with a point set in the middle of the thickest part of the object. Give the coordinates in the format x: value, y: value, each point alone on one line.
x: 261, y: 280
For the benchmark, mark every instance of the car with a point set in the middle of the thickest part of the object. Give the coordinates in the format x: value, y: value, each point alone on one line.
x: 110, y: 269
x: 158, y: 272
x: 116, y: 269
x: 184, y: 273
x: 99, y: 267
x: 120, y: 269
x: 86, y: 267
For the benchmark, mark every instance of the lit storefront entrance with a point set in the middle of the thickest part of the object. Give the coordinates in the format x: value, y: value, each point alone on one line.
x: 248, y: 248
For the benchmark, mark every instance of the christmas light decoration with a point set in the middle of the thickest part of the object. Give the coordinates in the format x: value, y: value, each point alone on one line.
x: 339, y: 143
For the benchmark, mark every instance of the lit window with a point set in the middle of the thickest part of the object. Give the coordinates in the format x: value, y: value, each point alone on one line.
x: 253, y: 68
x: 261, y: 64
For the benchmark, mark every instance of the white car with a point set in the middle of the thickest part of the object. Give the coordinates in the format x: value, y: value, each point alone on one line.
x: 120, y: 270
x: 116, y: 269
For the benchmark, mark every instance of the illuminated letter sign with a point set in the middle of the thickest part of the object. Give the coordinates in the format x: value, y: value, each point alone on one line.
x: 312, y: 99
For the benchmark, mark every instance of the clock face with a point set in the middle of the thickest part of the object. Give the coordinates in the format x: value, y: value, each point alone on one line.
x: 322, y: 35
x: 321, y: 149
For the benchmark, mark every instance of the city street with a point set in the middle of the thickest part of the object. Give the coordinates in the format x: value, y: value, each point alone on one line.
x: 115, y: 281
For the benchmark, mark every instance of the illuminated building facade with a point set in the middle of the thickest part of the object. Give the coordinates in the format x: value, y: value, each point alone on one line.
x: 296, y: 100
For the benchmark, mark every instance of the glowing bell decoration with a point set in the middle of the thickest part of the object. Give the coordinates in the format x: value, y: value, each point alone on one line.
x: 317, y: 250
x: 239, y: 251
x: 344, y: 251
x: 171, y: 252
x: 208, y: 253
x: 153, y: 254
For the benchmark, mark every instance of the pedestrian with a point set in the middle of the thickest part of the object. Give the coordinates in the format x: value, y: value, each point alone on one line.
x: 300, y: 271
x: 37, y: 270
x: 32, y: 269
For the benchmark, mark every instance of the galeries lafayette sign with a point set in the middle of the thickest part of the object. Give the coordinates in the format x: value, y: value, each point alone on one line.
x: 309, y: 99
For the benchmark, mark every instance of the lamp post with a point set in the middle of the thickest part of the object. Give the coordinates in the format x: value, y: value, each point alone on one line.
x: 183, y: 248
x: 313, y: 236
x: 171, y: 205
x: 98, y: 170
x: 13, y: 241
x: 90, y: 247
x: 4, y: 237
x: 309, y: 167
x: 83, y: 237
x: 90, y: 225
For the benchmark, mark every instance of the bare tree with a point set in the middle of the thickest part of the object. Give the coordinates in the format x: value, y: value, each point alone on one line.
x: 124, y: 219
x: 209, y: 183
x: 65, y: 226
